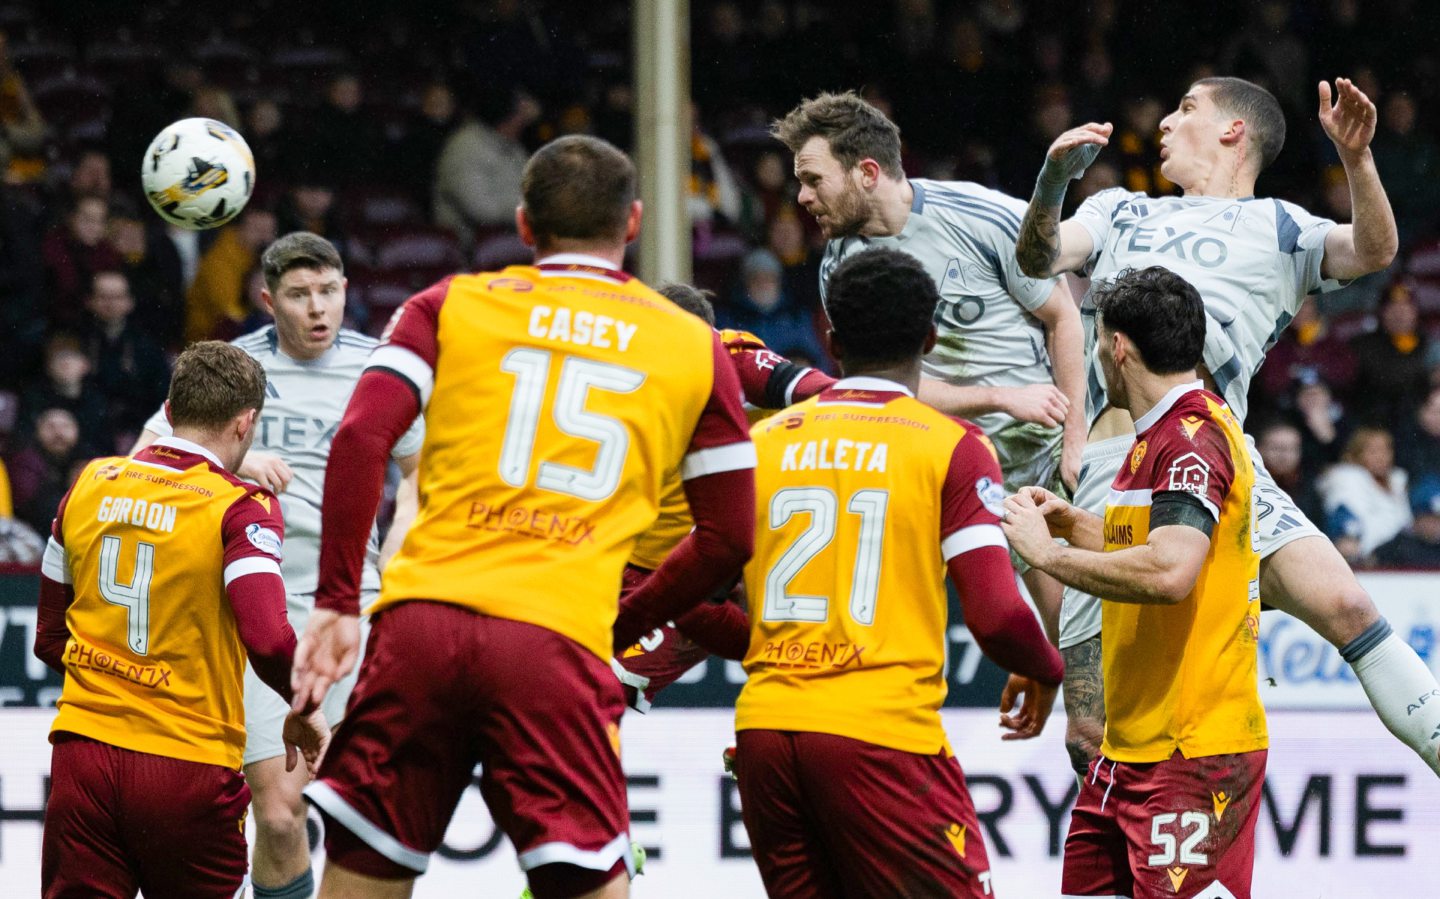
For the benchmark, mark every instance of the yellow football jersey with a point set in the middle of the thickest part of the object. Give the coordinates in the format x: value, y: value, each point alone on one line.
x: 769, y: 383
x: 556, y: 399
x: 862, y: 495
x: 154, y: 662
x: 1184, y: 676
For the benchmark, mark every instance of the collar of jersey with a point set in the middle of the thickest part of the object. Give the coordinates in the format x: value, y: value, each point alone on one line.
x: 871, y: 384
x: 1147, y: 421
x: 188, y: 446
x: 578, y: 259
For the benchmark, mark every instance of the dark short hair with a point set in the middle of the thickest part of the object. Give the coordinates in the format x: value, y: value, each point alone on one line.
x: 214, y: 382
x: 1160, y: 312
x: 881, y: 304
x: 578, y: 187
x: 693, y: 300
x: 1256, y: 107
x: 298, y: 249
x: 854, y: 129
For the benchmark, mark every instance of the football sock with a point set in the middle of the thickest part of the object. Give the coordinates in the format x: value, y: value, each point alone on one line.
x: 1401, y: 687
x: 302, y: 887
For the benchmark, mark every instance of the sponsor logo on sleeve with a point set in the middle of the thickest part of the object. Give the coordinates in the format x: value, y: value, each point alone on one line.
x: 263, y: 539
x: 992, y: 495
x: 1191, y: 474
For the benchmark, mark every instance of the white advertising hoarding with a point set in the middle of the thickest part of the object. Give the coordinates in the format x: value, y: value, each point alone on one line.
x: 1348, y: 813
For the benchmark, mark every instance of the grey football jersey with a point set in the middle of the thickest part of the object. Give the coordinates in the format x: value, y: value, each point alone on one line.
x: 964, y: 235
x: 1253, y: 262
x: 304, y: 402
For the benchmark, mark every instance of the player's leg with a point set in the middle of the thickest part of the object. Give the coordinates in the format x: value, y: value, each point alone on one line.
x: 1190, y: 824
x: 1084, y: 692
x: 404, y: 754
x: 282, y: 847
x: 787, y: 850
x: 1096, y: 861
x: 894, y: 823
x: 549, y: 748
x: 1303, y: 574
x: 81, y: 856
x: 186, y: 827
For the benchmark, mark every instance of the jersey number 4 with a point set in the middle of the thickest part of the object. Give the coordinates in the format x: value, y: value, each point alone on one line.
x: 531, y: 368
x: 823, y: 507
x: 134, y: 596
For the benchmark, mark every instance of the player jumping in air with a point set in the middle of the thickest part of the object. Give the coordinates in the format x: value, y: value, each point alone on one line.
x: 1168, y: 807
x: 161, y: 575
x: 556, y: 397
x: 1253, y: 262
x: 311, y: 366
x: 863, y: 497
x: 1009, y: 354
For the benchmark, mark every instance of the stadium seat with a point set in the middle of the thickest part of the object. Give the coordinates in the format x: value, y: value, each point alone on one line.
x: 1348, y: 325
x: 378, y: 208
x: 43, y: 60
x: 500, y: 250
x: 77, y: 107
x: 417, y: 248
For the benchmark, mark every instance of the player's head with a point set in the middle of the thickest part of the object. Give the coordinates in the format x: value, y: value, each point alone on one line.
x: 578, y: 193
x: 1220, y: 123
x: 692, y: 299
x: 305, y: 291
x: 843, y: 146
x: 216, y: 393
x: 881, y: 304
x: 1151, y: 323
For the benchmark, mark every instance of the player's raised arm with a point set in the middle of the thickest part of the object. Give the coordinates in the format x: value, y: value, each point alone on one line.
x: 1046, y: 245
x: 1370, y: 241
x: 720, y: 489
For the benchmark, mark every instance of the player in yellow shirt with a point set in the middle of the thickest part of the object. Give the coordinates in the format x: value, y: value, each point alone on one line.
x: 556, y: 398
x: 1168, y: 808
x: 865, y: 497
x: 161, y: 574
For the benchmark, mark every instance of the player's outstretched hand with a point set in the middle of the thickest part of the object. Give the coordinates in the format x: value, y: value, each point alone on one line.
x: 306, y: 736
x: 1349, y: 120
x: 1028, y: 720
x: 1025, y: 528
x: 1072, y: 152
x: 1042, y: 404
x: 267, y: 470
x: 327, y: 653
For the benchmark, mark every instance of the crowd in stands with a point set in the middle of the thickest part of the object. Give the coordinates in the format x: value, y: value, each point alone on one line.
x: 400, y: 134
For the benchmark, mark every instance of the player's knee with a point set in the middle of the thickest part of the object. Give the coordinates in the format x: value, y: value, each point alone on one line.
x: 280, y: 816
x: 1353, y: 610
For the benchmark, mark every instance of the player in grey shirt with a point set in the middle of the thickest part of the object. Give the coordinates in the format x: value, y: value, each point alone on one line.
x: 1253, y: 261
x: 1008, y: 355
x: 311, y: 366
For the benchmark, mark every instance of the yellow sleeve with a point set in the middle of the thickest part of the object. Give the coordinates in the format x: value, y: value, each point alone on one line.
x: 7, y: 503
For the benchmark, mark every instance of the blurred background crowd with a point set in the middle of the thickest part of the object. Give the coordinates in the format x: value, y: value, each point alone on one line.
x: 399, y: 132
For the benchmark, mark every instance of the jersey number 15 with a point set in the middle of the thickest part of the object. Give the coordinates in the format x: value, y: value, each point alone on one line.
x: 578, y: 376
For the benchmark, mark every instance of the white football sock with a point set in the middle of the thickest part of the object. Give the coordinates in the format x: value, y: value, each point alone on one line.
x: 1402, y: 689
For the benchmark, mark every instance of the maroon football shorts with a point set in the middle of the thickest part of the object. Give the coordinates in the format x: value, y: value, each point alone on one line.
x: 830, y: 816
x: 659, y: 659
x: 442, y: 689
x: 1171, y: 829
x: 119, y: 821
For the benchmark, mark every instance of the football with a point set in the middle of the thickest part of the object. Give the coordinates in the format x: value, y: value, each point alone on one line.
x: 198, y: 173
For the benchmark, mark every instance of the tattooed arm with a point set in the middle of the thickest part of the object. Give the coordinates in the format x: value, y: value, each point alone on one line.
x: 1048, y: 246
x: 1084, y: 702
